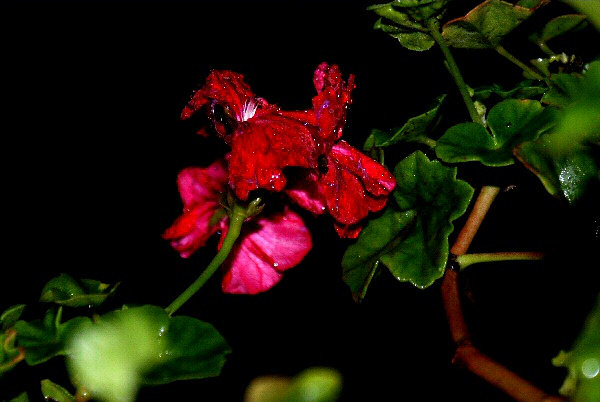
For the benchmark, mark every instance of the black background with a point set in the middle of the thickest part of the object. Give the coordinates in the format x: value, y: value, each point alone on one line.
x: 92, y: 93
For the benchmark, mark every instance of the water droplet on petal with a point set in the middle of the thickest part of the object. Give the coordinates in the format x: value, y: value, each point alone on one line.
x: 275, y: 265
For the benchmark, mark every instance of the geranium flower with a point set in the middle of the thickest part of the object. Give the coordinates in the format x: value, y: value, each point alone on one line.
x: 264, y: 140
x: 267, y: 246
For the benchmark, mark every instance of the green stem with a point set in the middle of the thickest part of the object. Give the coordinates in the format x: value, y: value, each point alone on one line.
x: 236, y: 219
x: 508, y: 56
x: 469, y: 259
x: 454, y: 71
x: 426, y: 141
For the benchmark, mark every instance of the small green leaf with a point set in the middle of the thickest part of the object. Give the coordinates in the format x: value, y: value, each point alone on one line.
x: 46, y: 338
x: 559, y: 26
x: 414, y: 130
x: 485, y: 25
x: 11, y: 315
x: 67, y: 291
x: 10, y: 355
x: 380, y: 236
x: 417, y: 41
x: 564, y: 88
x: 524, y: 90
x: 143, y: 345
x: 194, y: 350
x: 316, y: 384
x: 583, y: 362
x: 511, y: 122
x: 55, y: 392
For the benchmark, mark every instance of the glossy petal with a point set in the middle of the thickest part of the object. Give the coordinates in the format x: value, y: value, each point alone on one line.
x: 200, y: 190
x: 269, y: 246
x: 226, y: 87
x: 263, y: 147
x: 331, y: 102
x: 308, y: 193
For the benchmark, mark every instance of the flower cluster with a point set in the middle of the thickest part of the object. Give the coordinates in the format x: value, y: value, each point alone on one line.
x: 331, y: 176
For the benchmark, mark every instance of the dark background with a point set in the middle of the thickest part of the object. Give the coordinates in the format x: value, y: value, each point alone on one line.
x: 92, y: 93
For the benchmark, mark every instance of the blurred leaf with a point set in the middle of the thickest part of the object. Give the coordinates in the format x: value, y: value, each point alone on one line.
x: 589, y: 8
x: 55, y: 392
x: 559, y: 26
x: 23, y: 397
x: 523, y: 90
x: 46, y: 338
x: 194, y: 350
x: 485, y: 25
x: 11, y: 315
x: 10, y: 355
x: 379, y: 237
x: 566, y: 159
x: 67, y: 291
x: 317, y: 384
x: 414, y: 130
x: 583, y: 362
x: 511, y: 122
x: 142, y: 345
x: 411, y: 242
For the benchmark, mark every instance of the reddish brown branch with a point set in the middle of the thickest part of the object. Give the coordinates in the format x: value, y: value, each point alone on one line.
x: 467, y: 355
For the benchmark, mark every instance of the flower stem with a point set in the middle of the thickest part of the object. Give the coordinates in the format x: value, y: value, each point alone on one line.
x: 454, y: 71
x: 236, y: 219
x: 508, y: 56
x: 469, y: 259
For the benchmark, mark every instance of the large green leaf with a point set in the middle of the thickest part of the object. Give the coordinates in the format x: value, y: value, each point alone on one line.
x: 583, y: 362
x: 130, y: 347
x: 46, y: 338
x: 511, y: 122
x: 589, y: 8
x: 414, y: 130
x: 485, y: 25
x: 412, y: 239
x: 194, y: 349
x: 11, y: 315
x: 380, y: 236
x: 67, y: 291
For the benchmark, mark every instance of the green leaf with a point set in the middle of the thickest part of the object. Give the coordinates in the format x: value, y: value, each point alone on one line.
x: 583, y: 362
x: 485, y: 25
x: 414, y: 130
x: 589, y: 8
x: 411, y: 240
x: 11, y: 315
x: 46, y: 338
x: 142, y: 345
x: 511, y: 122
x: 194, y: 350
x: 524, y: 90
x: 316, y: 384
x: 564, y: 88
x: 55, y: 392
x: 417, y: 41
x: 10, y: 355
x: 23, y: 397
x: 67, y: 291
x: 380, y: 236
x: 559, y: 26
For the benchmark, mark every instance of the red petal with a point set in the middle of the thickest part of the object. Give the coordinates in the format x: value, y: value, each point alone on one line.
x: 268, y: 246
x: 191, y: 230
x: 376, y: 178
x: 223, y: 86
x: 331, y: 102
x: 263, y: 147
x: 348, y: 231
x: 199, y: 185
x: 345, y: 194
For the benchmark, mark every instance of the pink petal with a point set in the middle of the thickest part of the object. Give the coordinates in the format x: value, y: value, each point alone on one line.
x: 307, y: 193
x: 268, y: 246
x: 191, y: 230
x: 199, y: 185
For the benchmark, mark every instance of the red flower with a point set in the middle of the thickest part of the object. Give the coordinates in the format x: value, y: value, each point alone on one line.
x: 264, y: 140
x: 267, y: 246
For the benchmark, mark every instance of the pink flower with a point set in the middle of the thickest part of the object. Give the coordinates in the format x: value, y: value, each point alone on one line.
x: 267, y: 246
